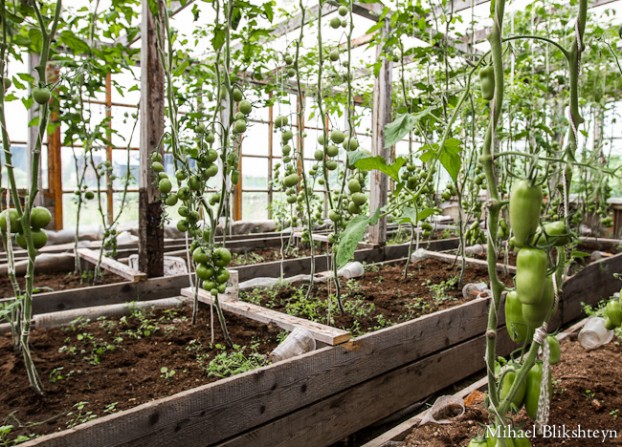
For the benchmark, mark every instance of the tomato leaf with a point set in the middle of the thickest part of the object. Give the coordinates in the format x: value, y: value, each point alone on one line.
x: 380, y: 164
x: 352, y: 235
x: 450, y: 158
x: 412, y: 216
x: 398, y: 129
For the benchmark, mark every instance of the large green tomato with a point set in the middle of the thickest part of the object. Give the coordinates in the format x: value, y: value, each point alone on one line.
x: 525, y: 204
x: 222, y: 257
x: 487, y: 82
x: 39, y: 239
x: 535, y: 314
x: 14, y: 222
x: 531, y: 265
x: 534, y: 379
x: 508, y: 379
x: 515, y: 323
x: 40, y: 217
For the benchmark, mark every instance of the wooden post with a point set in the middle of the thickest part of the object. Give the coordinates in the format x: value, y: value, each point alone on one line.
x: 53, y: 194
x: 381, y: 115
x: 151, y: 233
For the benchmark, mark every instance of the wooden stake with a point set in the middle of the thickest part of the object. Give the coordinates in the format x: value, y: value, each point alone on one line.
x: 151, y: 233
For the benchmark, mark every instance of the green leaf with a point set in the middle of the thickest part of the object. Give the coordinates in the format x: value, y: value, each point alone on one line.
x: 579, y: 254
x: 450, y: 157
x: 76, y: 44
x: 352, y: 235
x: 398, y: 129
x: 182, y: 68
x: 412, y: 216
x: 380, y: 164
x: 355, y: 156
x: 219, y: 38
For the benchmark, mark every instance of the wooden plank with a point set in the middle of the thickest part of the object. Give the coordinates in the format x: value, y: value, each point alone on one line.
x: 212, y: 413
x: 111, y: 265
x: 325, y: 334
x: 456, y: 258
x: 341, y: 414
x: 152, y: 289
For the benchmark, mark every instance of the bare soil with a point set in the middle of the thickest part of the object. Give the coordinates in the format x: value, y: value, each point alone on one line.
x: 587, y: 392
x: 49, y: 282
x: 381, y: 297
x: 114, y: 364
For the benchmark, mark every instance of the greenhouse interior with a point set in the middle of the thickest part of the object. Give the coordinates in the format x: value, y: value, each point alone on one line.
x: 311, y: 223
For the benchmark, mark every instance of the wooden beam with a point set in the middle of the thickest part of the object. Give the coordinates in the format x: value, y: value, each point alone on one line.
x: 54, y: 193
x: 325, y: 334
x: 111, y: 265
x: 381, y: 115
x: 151, y: 233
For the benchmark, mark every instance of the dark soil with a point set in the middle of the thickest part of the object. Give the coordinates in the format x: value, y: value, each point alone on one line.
x: 115, y: 364
x: 48, y: 282
x: 587, y: 392
x: 262, y: 255
x: 382, y: 297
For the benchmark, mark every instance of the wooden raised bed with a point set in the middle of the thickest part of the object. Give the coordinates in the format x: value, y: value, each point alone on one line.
x: 166, y: 287
x: 323, y: 396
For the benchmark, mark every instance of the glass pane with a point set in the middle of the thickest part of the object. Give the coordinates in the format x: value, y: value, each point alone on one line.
x: 257, y: 140
x: 260, y: 111
x: 120, y: 168
x: 128, y: 209
x: 254, y: 205
x: 90, y: 218
x: 126, y: 127
x: 70, y: 175
x: 254, y: 173
x: 20, y: 166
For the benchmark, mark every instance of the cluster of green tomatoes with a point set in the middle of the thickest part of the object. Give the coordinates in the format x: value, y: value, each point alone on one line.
x: 40, y: 218
x: 211, y: 267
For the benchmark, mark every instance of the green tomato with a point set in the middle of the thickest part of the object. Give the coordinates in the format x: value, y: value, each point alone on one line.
x: 337, y: 136
x: 239, y: 126
x: 223, y: 276
x: 199, y: 256
x: 40, y: 217
x: 157, y: 166
x: 288, y: 59
x: 221, y: 257
x: 156, y: 156
x: 182, y: 225
x: 507, y: 380
x: 41, y: 95
x: 554, y: 349
x: 204, y: 272
x: 287, y: 135
x: 181, y: 175
x: 89, y: 195
x: 194, y: 183
x: 334, y: 55
x: 184, y: 193
x: 165, y: 186
x: 515, y: 324
x: 237, y: 95
x: 359, y: 198
x: 210, y: 137
x: 331, y: 165
x: 351, y: 144
x: 525, y: 204
x: 211, y: 171
x: 291, y: 180
x: 210, y: 286
x: 332, y: 151
x: 552, y: 233
x: 211, y: 156
x: 354, y: 208
x: 318, y: 155
x: 535, y: 314
x: 246, y: 107
x: 534, y: 379
x: 613, y: 311
x: 487, y: 82
x: 239, y: 116
x: 7, y: 83
x: 183, y: 211
x: 14, y: 222
x: 280, y: 121
x: 531, y: 265
x: 354, y: 186
x: 334, y: 215
x: 235, y: 177
x: 171, y: 200
x: 335, y: 22
x: 39, y: 239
